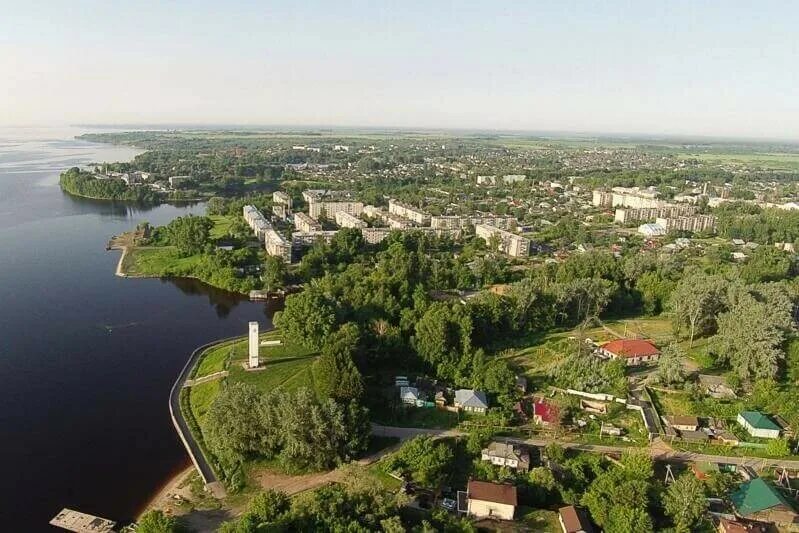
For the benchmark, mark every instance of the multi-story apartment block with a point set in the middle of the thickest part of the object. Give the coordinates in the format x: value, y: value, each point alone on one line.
x: 693, y: 224
x: 602, y: 199
x: 407, y: 211
x: 346, y: 220
x: 460, y: 222
x: 316, y: 209
x: 300, y: 239
x: 305, y: 223
x: 375, y: 235
x: 624, y: 215
x: 277, y: 245
x: 635, y: 197
x: 509, y: 243
x: 281, y: 198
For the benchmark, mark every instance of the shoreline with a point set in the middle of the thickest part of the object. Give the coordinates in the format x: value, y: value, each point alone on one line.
x: 167, y: 492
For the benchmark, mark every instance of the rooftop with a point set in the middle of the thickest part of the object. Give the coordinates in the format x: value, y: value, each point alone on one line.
x: 755, y: 496
x: 631, y: 348
x: 492, y: 492
x: 758, y: 420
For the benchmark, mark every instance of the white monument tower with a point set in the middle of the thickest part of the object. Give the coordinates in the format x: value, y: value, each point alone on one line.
x: 254, y: 344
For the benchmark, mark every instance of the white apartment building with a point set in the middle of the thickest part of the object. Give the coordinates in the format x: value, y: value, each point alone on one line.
x: 346, y: 220
x: 460, y: 222
x: 602, y: 199
x: 330, y: 209
x: 277, y: 245
x: 694, y: 224
x: 513, y: 178
x: 305, y: 223
x: 509, y: 243
x: 375, y: 235
x: 300, y: 239
x: 281, y: 198
x: 407, y: 211
x: 624, y: 215
x: 635, y: 197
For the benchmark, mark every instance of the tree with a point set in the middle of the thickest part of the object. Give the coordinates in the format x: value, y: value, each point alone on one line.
x: 624, y: 519
x: 335, y: 373
x: 766, y: 264
x: 685, y: 501
x: 269, y: 505
x: 443, y: 335
x: 274, y: 273
x: 670, y: 369
x: 696, y: 301
x: 584, y: 298
x: 307, y: 318
x: 157, y: 522
x: 189, y: 234
x: 624, y: 485
x: 427, y: 461
x: 750, y: 336
x: 778, y: 448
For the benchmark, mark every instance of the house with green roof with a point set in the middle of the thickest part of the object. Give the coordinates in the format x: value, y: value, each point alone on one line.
x: 760, y: 500
x: 759, y: 425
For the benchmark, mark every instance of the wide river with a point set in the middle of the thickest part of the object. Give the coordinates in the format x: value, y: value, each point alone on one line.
x: 86, y: 358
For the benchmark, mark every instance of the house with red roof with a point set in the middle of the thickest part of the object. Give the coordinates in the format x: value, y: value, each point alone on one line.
x: 545, y: 413
x: 631, y: 351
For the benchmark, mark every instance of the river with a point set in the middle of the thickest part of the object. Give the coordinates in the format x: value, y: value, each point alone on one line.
x: 87, y: 358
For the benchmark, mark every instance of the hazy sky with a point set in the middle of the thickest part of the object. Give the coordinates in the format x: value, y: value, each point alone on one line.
x: 696, y: 67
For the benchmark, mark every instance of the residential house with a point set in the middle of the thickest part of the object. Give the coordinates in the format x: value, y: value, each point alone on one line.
x: 759, y: 425
x: 409, y: 395
x: 545, y: 414
x: 759, y: 500
x: 491, y: 500
x: 574, y: 520
x: 504, y: 454
x: 471, y: 401
x: 631, y: 351
x: 683, y: 423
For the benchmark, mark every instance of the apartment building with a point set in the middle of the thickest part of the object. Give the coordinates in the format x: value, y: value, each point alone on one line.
x: 625, y: 214
x: 346, y: 220
x: 509, y: 243
x: 300, y: 239
x: 693, y: 224
x: 375, y: 235
x: 602, y: 199
x: 316, y: 209
x: 305, y: 223
x: 635, y: 197
x: 407, y: 211
x: 277, y: 245
x: 460, y: 222
x: 281, y: 198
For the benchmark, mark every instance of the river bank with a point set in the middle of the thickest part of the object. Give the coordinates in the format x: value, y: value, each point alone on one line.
x: 137, y: 261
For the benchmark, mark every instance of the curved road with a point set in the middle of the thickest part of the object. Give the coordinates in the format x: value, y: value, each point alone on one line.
x: 182, y: 428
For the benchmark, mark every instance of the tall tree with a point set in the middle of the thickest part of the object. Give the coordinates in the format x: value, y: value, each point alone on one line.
x: 685, y: 502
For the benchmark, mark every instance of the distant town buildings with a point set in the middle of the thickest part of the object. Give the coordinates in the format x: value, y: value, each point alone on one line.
x: 509, y: 243
x: 632, y: 197
x: 274, y: 243
x: 652, y: 230
x: 329, y: 209
x: 281, y: 198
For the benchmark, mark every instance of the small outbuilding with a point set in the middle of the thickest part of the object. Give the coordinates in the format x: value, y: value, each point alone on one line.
x: 574, y: 520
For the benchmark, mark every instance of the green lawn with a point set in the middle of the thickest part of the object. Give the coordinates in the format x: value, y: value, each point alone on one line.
x: 158, y: 261
x: 539, y: 519
x: 221, y: 225
x: 214, y: 360
x: 200, y: 398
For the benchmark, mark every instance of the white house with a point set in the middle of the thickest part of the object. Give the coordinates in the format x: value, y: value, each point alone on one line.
x: 491, y: 500
x: 409, y: 395
x: 759, y: 425
x: 502, y: 454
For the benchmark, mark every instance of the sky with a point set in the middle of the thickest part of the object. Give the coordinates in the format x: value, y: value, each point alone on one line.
x: 717, y: 68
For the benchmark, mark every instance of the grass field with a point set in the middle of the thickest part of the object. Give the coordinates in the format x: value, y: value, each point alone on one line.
x: 214, y: 360
x: 157, y: 261
x: 201, y: 397
x: 539, y: 519
x: 221, y: 225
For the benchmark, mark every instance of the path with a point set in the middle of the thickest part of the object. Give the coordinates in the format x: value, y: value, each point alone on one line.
x: 657, y: 450
x: 205, y: 379
x: 185, y: 434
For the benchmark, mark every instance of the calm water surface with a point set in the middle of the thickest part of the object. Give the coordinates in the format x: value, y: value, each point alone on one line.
x: 86, y: 358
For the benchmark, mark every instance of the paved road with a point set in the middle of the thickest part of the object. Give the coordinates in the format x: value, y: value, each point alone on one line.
x: 658, y: 449
x: 192, y: 447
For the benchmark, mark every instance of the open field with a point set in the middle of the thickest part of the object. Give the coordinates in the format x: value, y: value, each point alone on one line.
x: 221, y: 225
x: 773, y: 161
